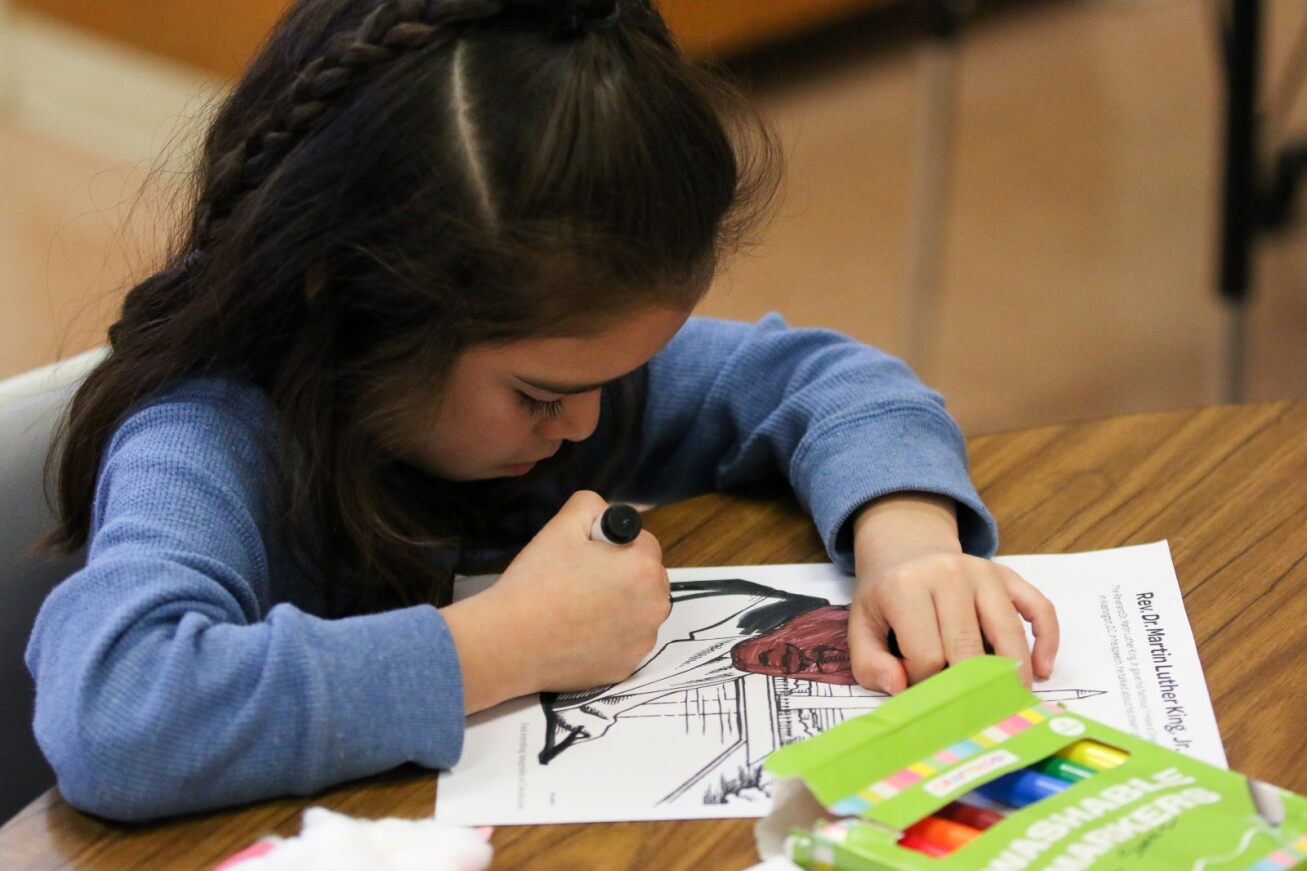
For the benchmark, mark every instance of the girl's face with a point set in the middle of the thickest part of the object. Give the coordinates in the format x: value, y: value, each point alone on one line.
x: 509, y: 406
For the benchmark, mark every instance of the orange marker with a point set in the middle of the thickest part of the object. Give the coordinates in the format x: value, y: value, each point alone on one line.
x: 945, y: 833
x: 969, y: 815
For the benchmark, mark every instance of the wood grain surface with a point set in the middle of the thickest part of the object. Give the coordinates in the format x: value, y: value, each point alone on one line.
x: 1226, y: 486
x: 220, y: 36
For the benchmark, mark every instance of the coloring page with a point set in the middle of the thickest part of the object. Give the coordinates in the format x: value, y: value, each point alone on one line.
x: 755, y: 657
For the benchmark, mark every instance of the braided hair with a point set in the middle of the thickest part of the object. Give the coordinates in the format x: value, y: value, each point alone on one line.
x: 390, y: 183
x: 390, y: 30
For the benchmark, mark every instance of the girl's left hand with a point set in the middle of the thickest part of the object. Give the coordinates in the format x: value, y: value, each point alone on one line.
x: 941, y: 604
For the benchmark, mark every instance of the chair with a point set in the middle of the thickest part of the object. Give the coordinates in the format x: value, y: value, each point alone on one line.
x: 31, y: 407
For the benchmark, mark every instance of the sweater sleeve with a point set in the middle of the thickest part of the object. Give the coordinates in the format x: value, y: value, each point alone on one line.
x: 169, y: 681
x: 844, y: 423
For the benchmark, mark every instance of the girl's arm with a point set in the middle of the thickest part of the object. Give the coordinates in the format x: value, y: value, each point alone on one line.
x: 874, y: 457
x: 729, y: 403
x: 941, y: 604
x: 169, y: 679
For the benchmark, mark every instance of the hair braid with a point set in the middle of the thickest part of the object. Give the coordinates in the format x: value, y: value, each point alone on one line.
x: 393, y: 28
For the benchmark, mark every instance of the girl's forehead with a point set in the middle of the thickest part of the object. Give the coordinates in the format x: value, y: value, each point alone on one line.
x: 624, y: 344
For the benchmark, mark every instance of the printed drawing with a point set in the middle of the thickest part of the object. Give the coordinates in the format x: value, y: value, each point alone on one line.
x: 742, y: 667
x: 763, y: 667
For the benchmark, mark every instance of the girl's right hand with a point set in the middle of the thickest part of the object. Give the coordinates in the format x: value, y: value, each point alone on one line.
x: 568, y: 614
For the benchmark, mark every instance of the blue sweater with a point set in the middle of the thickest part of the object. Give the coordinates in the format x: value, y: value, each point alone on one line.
x: 190, y: 665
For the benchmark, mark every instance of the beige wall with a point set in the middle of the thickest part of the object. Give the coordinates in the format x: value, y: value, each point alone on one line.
x: 8, y: 75
x: 710, y: 27
x: 1078, y: 266
x: 215, y: 35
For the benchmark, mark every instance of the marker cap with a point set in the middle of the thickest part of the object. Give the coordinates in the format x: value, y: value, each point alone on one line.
x: 1022, y: 787
x: 1065, y: 769
x: 619, y: 524
x: 970, y: 815
x: 946, y: 833
x: 1093, y: 754
x: 923, y: 845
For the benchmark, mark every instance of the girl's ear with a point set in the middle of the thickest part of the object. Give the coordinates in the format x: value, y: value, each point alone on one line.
x: 315, y: 278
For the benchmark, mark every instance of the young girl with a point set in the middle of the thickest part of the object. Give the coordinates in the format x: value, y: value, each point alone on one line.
x: 436, y: 293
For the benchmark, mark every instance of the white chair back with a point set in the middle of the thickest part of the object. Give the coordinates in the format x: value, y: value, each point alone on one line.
x: 32, y: 406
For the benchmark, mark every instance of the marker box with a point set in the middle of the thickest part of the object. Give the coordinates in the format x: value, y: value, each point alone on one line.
x: 970, y: 770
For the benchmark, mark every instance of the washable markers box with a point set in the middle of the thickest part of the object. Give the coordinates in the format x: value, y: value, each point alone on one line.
x: 970, y: 770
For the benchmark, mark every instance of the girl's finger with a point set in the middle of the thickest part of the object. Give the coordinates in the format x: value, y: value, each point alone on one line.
x: 959, y: 627
x: 1003, y: 627
x: 874, y: 666
x: 1038, y: 611
x: 910, y: 612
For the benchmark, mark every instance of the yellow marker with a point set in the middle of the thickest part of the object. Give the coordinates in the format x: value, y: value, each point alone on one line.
x: 1093, y: 754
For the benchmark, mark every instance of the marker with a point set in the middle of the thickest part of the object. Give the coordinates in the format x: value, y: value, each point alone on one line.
x: 922, y: 845
x: 946, y: 833
x: 619, y: 524
x: 1093, y: 755
x: 1065, y: 769
x: 978, y: 818
x: 1022, y: 787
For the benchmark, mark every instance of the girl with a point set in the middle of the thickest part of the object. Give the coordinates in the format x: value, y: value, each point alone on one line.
x: 434, y: 294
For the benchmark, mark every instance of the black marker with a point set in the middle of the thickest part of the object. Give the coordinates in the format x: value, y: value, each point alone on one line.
x: 619, y: 524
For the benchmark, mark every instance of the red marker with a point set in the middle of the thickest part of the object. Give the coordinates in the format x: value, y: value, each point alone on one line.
x: 946, y: 833
x: 978, y: 818
x: 921, y: 845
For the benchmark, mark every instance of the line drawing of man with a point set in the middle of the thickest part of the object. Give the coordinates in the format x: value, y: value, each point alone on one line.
x: 739, y: 627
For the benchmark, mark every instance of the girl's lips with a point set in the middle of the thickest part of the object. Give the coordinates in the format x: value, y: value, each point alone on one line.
x: 523, y: 468
x: 519, y: 469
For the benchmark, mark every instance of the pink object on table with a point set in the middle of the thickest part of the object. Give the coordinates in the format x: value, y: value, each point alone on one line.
x: 255, y: 850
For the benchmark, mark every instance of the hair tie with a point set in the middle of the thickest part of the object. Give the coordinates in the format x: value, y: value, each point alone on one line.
x: 192, y: 261
x: 589, y: 17
x: 608, y: 20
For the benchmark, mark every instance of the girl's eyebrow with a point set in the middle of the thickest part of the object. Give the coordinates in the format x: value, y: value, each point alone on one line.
x: 561, y: 389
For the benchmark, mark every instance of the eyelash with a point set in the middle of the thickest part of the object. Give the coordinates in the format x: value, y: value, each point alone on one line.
x: 540, y: 407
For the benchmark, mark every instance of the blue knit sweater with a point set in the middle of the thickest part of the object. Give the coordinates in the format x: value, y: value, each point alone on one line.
x: 190, y: 665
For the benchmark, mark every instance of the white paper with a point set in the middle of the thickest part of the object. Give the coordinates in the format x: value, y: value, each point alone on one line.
x: 685, y: 736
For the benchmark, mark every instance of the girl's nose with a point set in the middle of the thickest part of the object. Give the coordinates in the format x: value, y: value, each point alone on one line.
x: 577, y: 422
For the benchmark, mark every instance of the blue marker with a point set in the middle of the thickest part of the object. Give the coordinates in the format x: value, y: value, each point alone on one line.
x: 1020, y: 788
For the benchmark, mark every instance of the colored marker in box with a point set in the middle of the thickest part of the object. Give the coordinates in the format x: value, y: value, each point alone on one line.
x: 1016, y: 789
x: 1092, y: 755
x: 946, y: 834
x: 969, y: 815
x: 1065, y: 791
x: 1064, y: 769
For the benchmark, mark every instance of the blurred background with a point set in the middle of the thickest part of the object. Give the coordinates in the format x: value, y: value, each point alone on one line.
x: 1070, y: 155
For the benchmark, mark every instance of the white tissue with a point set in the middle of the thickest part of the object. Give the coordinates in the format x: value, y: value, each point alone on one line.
x: 334, y: 842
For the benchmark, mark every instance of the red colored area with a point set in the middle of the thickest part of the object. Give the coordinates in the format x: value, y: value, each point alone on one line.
x: 812, y: 646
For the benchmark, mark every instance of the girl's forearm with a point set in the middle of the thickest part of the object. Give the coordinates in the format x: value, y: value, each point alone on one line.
x: 900, y: 526
x: 488, y: 653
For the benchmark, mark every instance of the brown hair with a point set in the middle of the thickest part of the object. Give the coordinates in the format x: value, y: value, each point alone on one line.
x: 391, y: 183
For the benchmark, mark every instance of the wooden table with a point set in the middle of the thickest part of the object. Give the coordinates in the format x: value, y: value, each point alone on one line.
x: 1227, y: 487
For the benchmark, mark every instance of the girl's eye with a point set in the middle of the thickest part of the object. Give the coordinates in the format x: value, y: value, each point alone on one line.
x: 541, y: 407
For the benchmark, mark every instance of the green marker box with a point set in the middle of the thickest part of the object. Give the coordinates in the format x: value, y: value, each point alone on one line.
x: 843, y: 799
